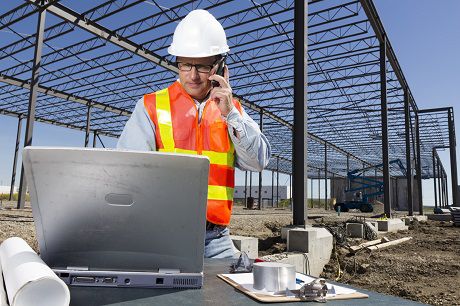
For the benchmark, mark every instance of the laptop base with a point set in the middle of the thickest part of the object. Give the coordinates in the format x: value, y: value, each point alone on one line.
x: 130, y: 279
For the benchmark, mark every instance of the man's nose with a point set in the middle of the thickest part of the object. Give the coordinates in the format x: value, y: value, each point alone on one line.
x: 194, y: 72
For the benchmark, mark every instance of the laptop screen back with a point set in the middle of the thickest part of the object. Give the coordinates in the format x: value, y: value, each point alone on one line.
x: 118, y: 210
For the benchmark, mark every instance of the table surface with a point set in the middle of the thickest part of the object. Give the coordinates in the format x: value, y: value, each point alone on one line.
x: 214, y: 292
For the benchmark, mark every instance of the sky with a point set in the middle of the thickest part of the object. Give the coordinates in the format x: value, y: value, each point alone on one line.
x: 425, y: 35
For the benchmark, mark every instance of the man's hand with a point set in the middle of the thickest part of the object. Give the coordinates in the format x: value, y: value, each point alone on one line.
x: 222, y: 95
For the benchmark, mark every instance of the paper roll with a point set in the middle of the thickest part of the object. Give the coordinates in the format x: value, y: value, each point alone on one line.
x: 3, y: 301
x: 273, y: 276
x: 29, y: 281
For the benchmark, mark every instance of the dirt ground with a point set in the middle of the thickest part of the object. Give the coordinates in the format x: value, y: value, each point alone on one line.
x: 424, y: 269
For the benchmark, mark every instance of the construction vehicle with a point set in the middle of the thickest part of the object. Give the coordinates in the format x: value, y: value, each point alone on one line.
x: 360, y: 184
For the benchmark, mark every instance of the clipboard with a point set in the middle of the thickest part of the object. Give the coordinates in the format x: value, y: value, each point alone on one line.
x: 284, y: 299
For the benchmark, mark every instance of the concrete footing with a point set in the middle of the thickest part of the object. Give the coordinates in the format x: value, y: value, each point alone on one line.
x: 355, y: 230
x: 284, y: 230
x: 408, y: 219
x: 391, y: 225
x: 316, y: 242
x: 249, y: 245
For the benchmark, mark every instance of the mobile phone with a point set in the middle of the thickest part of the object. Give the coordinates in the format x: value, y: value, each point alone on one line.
x: 219, y: 71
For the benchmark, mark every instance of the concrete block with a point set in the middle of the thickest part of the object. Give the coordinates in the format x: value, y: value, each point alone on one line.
x: 250, y: 245
x: 420, y: 218
x: 355, y: 230
x: 407, y: 220
x: 440, y: 217
x: 316, y: 241
x: 301, y: 239
x: 391, y: 225
x: 284, y: 230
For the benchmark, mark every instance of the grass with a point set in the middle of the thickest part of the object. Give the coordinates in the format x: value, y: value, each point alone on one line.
x: 6, y: 197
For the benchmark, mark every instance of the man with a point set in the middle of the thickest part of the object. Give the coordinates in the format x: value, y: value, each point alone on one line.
x: 195, y: 117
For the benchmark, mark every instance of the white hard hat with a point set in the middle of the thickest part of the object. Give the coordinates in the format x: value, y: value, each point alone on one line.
x: 199, y: 34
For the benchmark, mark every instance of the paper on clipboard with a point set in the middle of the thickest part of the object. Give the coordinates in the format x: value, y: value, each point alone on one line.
x: 246, y: 280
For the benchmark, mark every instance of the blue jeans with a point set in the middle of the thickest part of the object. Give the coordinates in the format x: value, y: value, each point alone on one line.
x: 218, y: 244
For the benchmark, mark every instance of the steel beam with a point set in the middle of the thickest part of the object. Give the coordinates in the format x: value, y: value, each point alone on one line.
x: 32, y: 100
x: 410, y: 203
x: 15, y: 160
x: 384, y: 119
x: 379, y: 30
x: 63, y: 95
x: 300, y: 136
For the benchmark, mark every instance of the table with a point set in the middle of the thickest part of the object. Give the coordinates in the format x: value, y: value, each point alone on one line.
x: 214, y: 292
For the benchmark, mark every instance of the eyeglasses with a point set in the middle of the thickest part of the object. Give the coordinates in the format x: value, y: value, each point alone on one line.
x: 198, y: 67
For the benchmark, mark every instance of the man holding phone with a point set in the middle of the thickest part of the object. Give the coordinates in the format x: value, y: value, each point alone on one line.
x: 197, y: 114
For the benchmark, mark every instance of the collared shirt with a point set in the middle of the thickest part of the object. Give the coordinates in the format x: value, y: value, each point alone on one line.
x: 251, y: 146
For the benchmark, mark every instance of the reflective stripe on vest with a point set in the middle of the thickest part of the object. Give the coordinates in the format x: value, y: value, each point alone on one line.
x: 221, y: 175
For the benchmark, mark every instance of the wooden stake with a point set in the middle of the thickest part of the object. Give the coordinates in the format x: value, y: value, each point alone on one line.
x: 388, y: 244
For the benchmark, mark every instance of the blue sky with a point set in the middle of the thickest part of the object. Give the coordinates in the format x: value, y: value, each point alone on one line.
x: 425, y: 35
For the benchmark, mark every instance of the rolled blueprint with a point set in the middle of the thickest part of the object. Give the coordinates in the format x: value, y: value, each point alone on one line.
x: 28, y: 280
x: 273, y: 276
x: 3, y: 301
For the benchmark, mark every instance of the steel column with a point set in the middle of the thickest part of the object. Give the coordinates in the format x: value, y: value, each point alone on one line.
x: 88, y: 125
x: 250, y: 184
x: 311, y: 191
x: 32, y: 100
x: 15, y: 160
x: 260, y: 173
x: 245, y: 189
x: 94, y: 138
x: 300, y: 135
x: 453, y: 157
x: 348, y: 170
x: 447, y: 190
x: 444, y: 188
x: 325, y: 176
x: 410, y: 204
x: 384, y: 117
x: 319, y: 188
x: 434, y: 180
x: 439, y: 180
x: 419, y: 164
x: 273, y: 187
x: 290, y: 191
x: 277, y: 181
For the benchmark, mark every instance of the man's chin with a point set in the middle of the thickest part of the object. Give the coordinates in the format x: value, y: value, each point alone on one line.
x: 197, y: 94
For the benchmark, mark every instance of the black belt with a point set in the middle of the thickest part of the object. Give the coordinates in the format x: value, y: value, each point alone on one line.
x: 211, y: 226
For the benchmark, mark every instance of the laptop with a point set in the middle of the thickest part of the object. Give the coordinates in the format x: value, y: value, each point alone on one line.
x: 112, y: 218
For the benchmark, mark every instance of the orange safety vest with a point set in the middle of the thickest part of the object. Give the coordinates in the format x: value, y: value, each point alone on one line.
x: 177, y: 129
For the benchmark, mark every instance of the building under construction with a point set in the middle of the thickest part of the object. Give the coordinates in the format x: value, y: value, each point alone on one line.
x: 83, y: 65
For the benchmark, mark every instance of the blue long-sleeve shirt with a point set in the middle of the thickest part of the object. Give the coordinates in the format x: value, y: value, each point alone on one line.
x: 251, y: 146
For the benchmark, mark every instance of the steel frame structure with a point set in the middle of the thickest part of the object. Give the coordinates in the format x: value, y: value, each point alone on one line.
x: 87, y: 65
